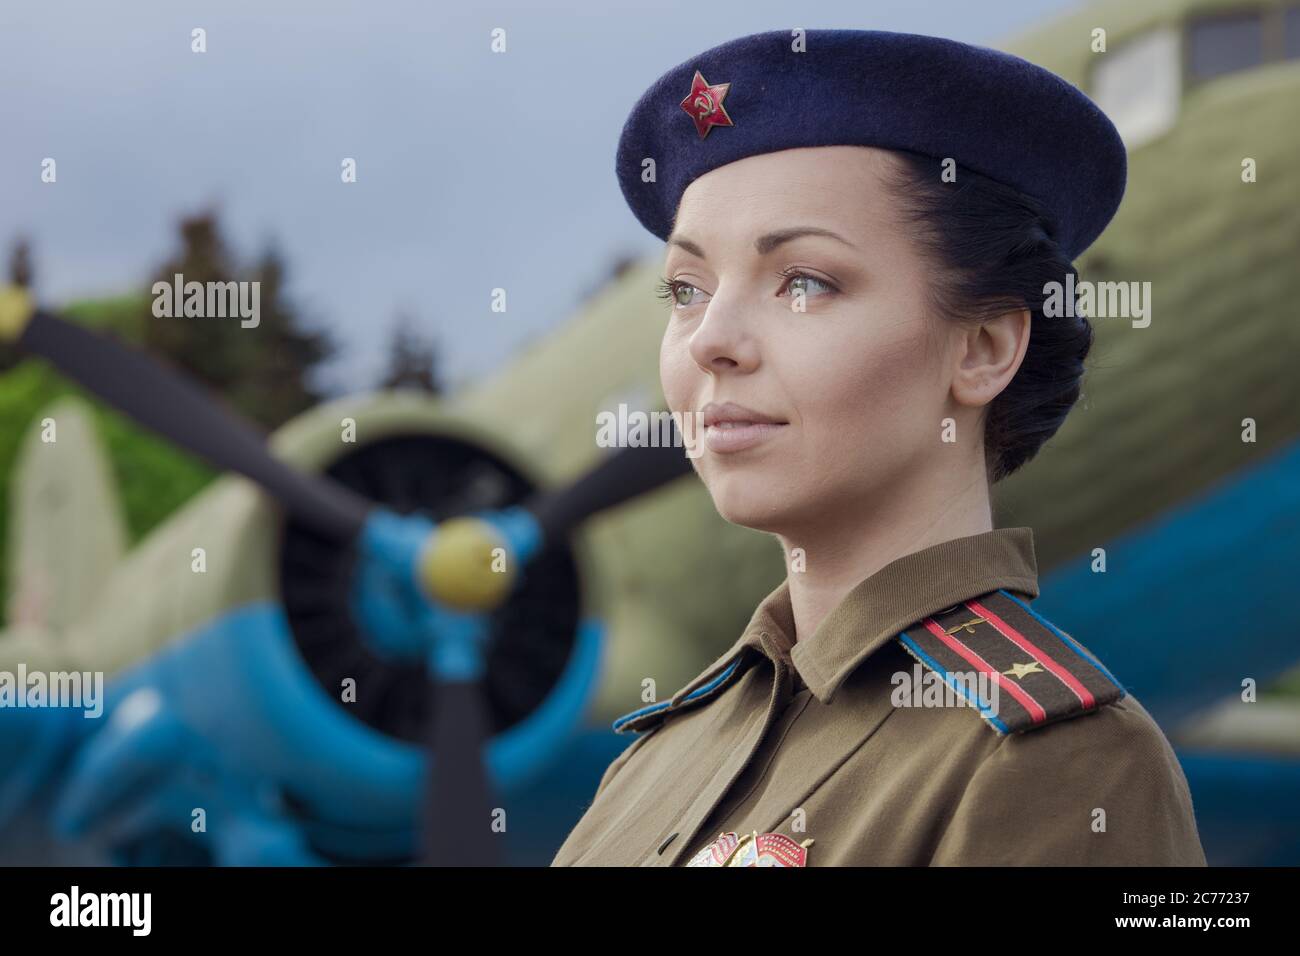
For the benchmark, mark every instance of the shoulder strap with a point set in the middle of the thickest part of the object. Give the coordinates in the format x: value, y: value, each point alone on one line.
x: 1014, y: 666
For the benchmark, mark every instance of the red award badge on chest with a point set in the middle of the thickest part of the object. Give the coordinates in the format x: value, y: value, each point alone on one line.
x: 718, y: 852
x: 753, y: 849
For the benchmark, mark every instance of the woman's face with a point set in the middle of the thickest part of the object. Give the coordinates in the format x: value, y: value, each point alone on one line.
x: 852, y: 390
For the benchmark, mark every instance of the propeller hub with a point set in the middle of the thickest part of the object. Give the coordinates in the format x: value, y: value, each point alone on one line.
x: 468, y: 565
x: 16, y: 309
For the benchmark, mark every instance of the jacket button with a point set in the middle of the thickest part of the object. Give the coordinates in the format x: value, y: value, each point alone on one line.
x: 663, y: 846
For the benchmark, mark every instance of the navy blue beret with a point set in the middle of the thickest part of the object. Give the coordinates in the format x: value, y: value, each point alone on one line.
x: 991, y: 112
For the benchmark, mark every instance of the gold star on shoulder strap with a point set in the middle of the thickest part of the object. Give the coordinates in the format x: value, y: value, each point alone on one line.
x: 1018, y: 671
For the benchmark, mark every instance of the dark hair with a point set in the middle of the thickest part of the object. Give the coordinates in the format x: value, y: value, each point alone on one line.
x: 995, y: 248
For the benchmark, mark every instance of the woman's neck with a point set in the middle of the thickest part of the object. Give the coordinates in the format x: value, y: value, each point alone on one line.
x: 838, y: 554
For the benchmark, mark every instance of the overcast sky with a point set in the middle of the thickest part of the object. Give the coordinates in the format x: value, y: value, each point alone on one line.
x: 475, y: 170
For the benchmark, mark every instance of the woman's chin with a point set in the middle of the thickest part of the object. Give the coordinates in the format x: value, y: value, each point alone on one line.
x: 759, y: 509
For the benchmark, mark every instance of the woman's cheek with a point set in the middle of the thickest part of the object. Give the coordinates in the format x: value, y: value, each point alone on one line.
x: 674, y: 372
x: 861, y: 393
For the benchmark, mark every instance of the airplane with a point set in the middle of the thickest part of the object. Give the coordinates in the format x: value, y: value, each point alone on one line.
x: 237, y: 672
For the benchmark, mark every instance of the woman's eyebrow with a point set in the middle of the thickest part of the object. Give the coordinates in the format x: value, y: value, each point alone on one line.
x: 765, y: 243
x: 683, y: 242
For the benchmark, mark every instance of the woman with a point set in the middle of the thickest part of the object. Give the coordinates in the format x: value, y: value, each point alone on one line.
x: 861, y: 230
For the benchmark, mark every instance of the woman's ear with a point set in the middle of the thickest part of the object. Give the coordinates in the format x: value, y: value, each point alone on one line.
x: 988, y: 355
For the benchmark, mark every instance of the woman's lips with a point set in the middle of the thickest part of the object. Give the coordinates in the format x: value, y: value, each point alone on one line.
x: 727, y: 437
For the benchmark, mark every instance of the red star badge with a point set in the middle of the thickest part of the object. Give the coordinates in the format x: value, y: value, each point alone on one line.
x: 704, y: 105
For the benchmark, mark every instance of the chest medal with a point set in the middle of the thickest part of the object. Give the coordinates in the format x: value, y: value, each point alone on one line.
x: 753, y: 849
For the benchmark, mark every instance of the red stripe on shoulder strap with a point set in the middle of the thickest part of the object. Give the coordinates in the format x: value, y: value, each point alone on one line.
x: 1040, y: 655
x: 1026, y: 700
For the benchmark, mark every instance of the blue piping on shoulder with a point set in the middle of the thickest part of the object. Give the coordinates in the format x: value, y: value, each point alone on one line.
x: 693, y: 695
x: 1067, y: 639
x: 982, y: 706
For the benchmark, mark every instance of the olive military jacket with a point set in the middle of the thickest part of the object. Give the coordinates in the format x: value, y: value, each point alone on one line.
x: 934, y: 718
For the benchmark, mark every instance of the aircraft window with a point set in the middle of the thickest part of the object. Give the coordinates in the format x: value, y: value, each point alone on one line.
x: 1291, y: 33
x: 1225, y: 44
x: 1138, y: 85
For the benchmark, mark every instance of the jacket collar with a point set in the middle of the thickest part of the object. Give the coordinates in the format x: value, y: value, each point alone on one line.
x: 901, y: 593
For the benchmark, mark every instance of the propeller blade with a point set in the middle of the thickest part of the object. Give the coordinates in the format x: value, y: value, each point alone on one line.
x: 456, y: 825
x: 456, y: 817
x: 624, y: 475
x: 182, y: 412
x: 457, y: 814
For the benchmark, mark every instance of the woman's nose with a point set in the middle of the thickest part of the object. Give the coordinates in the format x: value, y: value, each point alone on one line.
x: 723, y: 340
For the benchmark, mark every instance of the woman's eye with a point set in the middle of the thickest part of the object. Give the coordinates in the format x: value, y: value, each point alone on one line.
x: 684, y: 294
x: 681, y: 294
x: 802, y: 284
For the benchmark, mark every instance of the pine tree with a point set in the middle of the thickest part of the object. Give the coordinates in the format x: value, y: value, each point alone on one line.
x: 262, y: 371
x: 20, y: 263
x: 412, y: 359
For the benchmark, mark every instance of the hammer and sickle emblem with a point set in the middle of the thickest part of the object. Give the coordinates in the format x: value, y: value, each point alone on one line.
x: 704, y: 104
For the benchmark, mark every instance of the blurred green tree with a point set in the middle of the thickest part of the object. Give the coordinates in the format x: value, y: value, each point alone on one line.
x: 263, y: 371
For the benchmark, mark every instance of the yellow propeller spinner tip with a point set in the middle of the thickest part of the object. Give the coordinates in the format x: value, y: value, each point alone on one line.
x: 467, y: 565
x: 16, y: 310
